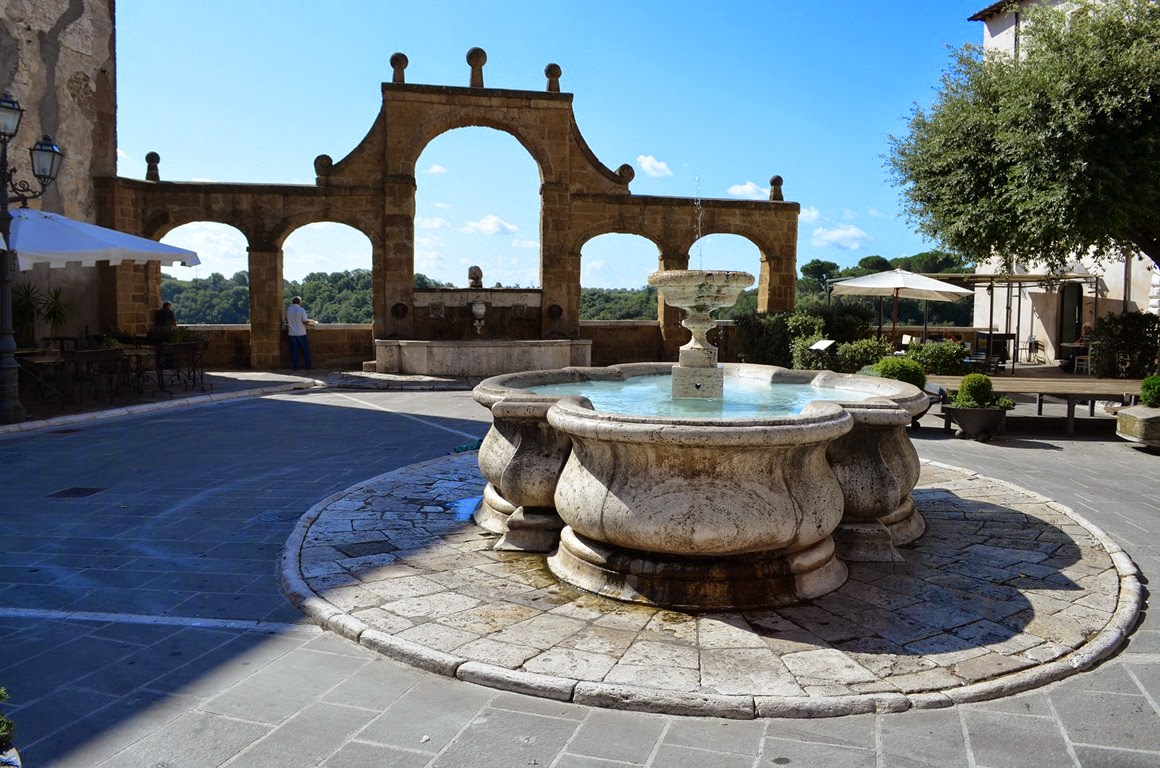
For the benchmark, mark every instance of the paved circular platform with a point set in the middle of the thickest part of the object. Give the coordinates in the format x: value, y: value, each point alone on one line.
x: 1006, y: 591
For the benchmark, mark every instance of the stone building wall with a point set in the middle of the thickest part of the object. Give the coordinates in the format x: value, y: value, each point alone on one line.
x: 57, y: 59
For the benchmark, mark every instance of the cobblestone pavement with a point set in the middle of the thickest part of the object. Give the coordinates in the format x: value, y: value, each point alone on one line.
x: 1006, y: 591
x: 142, y: 624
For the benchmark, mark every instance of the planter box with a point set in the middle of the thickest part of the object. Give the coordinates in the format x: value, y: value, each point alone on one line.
x: 1140, y: 424
x: 978, y: 423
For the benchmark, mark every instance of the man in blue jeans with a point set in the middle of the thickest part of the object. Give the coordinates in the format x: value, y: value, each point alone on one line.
x: 296, y: 322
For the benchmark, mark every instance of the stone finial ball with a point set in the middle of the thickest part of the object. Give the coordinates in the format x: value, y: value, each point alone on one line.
x: 553, y: 70
x: 477, y: 57
x: 775, y: 181
x: 626, y: 173
x: 323, y: 164
x: 152, y: 158
x: 399, y: 61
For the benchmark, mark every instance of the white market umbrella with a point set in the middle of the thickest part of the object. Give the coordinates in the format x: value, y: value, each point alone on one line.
x: 901, y: 285
x: 40, y: 237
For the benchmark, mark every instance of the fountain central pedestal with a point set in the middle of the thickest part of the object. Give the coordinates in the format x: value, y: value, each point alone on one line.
x: 699, y: 293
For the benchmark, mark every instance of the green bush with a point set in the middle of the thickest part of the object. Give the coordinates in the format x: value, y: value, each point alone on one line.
x: 939, y: 358
x: 1150, y: 392
x: 807, y: 359
x: 799, y: 325
x: 763, y: 338
x: 855, y: 355
x: 977, y: 391
x: 7, y: 727
x: 1126, y: 346
x: 902, y: 369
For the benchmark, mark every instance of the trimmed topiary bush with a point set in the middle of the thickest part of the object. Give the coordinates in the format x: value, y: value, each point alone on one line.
x: 807, y: 359
x: 977, y: 391
x: 902, y: 369
x: 1150, y: 392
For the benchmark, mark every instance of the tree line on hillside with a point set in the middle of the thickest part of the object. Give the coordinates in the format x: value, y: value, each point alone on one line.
x: 345, y: 297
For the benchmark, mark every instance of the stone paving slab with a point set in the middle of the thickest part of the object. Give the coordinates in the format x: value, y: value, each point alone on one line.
x: 1007, y: 590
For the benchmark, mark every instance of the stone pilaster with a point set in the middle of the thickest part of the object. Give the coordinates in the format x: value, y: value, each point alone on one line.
x: 267, y: 308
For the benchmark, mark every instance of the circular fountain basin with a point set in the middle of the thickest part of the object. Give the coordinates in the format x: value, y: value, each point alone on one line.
x: 705, y: 511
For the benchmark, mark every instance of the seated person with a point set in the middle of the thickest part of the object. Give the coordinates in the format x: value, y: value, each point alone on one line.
x: 164, y: 322
x: 1083, y: 342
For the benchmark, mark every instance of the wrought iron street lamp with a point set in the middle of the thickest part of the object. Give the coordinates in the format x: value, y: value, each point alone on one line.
x: 46, y: 157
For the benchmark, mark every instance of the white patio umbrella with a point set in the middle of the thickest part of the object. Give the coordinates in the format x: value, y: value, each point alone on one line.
x: 901, y: 285
x: 42, y: 237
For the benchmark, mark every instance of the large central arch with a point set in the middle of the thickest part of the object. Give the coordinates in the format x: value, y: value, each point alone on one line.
x: 373, y: 188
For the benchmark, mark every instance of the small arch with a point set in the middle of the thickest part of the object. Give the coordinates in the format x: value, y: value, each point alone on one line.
x: 343, y: 255
x: 216, y: 291
x: 720, y: 251
x: 618, y: 260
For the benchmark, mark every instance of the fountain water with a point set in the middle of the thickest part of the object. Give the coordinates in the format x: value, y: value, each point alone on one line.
x: 695, y: 511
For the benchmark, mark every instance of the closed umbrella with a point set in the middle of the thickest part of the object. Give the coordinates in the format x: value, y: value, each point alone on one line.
x: 901, y: 285
x: 41, y: 237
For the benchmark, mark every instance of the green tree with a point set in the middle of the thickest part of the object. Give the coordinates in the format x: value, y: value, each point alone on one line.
x: 815, y: 274
x: 1050, y: 154
x: 875, y: 264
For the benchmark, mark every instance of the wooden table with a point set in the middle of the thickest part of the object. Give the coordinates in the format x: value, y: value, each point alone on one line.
x: 1073, y: 389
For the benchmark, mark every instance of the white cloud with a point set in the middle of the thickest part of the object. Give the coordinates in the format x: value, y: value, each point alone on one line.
x: 431, y: 222
x: 874, y: 213
x: 519, y: 242
x: 489, y: 225
x: 750, y: 191
x: 428, y: 241
x: 436, y: 168
x: 845, y: 236
x: 810, y: 214
x: 848, y: 215
x: 652, y: 166
x: 121, y: 154
x: 442, y: 205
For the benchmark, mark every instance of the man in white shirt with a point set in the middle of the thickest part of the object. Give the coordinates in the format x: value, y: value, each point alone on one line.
x: 296, y: 322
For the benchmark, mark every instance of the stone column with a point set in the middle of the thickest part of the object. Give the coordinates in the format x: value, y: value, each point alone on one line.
x: 776, y: 283
x: 129, y: 294
x: 267, y: 308
x: 673, y: 334
x: 393, y: 266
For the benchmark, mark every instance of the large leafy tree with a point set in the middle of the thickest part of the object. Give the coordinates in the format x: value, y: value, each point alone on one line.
x: 1051, y: 154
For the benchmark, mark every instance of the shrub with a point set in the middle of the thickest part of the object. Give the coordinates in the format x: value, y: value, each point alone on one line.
x: 763, y: 338
x: 902, y: 369
x: 857, y: 354
x: 1150, y: 392
x: 1126, y: 346
x: 7, y: 727
x: 800, y: 325
x: 939, y: 358
x: 807, y: 359
x: 976, y: 391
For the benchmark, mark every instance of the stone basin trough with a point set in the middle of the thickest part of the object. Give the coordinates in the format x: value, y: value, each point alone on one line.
x: 705, y: 511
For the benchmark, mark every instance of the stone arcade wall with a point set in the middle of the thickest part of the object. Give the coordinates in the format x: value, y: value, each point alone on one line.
x: 373, y: 188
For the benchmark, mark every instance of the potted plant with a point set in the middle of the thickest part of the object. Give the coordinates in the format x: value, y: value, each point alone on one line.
x: 978, y: 411
x: 8, y: 753
x: 1141, y: 423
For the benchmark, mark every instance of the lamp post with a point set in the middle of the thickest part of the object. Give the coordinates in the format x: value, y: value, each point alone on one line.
x: 46, y: 157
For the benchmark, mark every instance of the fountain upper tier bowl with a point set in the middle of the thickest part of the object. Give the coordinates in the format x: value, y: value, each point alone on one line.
x: 695, y: 512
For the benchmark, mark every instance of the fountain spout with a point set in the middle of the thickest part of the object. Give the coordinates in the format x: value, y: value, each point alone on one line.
x: 699, y: 292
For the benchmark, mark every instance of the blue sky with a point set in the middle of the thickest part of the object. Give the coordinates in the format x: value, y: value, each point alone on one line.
x: 703, y: 101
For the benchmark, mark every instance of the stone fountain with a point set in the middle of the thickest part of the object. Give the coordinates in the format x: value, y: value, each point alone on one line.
x: 693, y: 511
